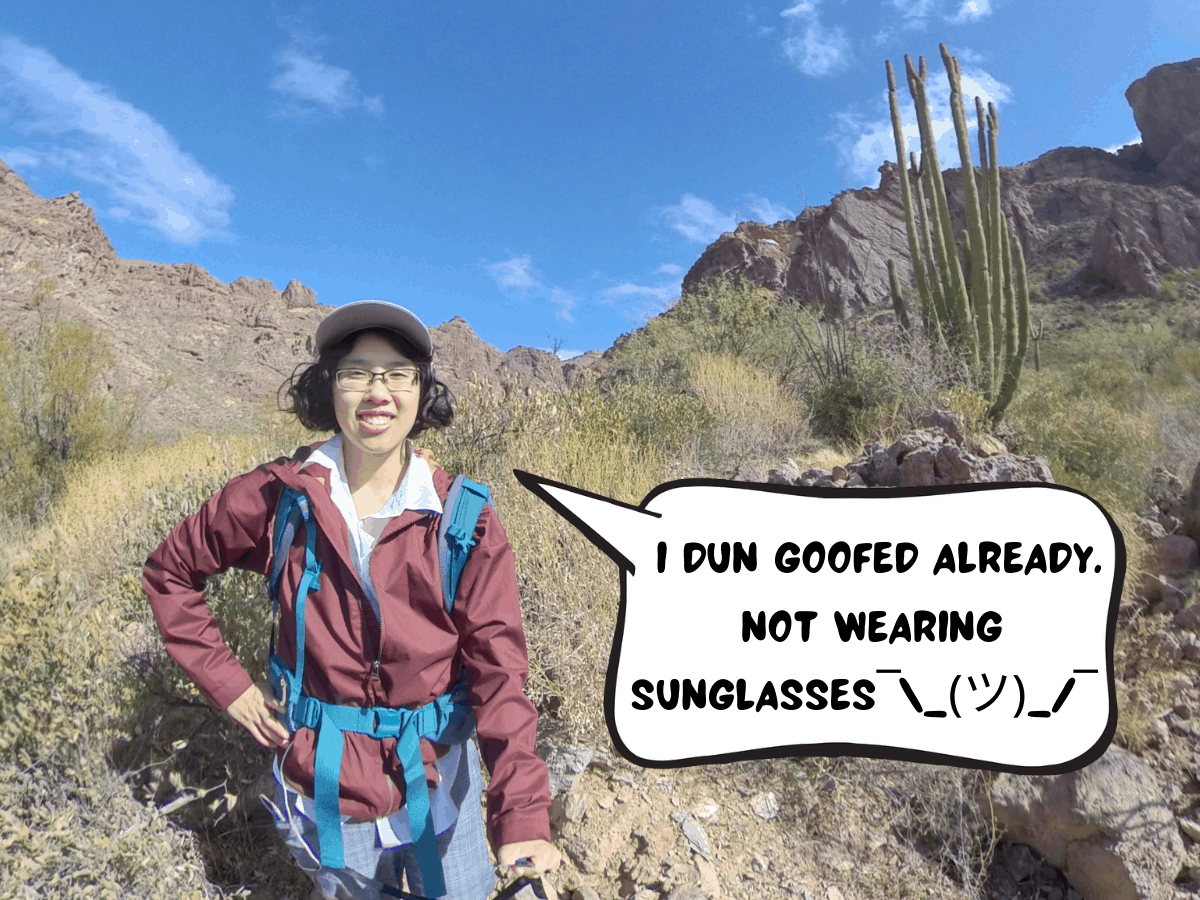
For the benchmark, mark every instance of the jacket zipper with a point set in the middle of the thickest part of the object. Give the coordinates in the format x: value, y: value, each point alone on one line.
x: 371, y: 559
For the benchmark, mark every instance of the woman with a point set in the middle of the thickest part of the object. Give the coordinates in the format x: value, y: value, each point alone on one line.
x: 376, y: 633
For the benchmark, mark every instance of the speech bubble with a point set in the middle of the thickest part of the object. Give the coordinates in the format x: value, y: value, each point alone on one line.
x: 970, y: 625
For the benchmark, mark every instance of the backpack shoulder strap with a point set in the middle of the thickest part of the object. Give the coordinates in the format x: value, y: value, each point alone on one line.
x: 461, y: 509
x: 292, y: 511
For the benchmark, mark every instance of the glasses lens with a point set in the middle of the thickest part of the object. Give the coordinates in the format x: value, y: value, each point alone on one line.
x: 400, y: 379
x: 353, y: 379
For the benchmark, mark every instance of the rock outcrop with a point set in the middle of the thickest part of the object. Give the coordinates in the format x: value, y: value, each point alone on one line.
x: 1107, y: 826
x: 1166, y: 107
x: 935, y: 455
x: 1139, y: 205
x: 202, y: 354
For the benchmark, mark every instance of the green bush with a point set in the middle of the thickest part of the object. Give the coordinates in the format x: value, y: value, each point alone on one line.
x: 1086, y: 421
x: 55, y: 411
x: 723, y: 316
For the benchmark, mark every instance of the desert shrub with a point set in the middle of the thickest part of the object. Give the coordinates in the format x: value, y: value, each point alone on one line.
x: 97, y: 709
x: 852, y: 408
x: 753, y: 418
x: 55, y: 411
x: 1085, y: 420
x: 723, y: 316
x: 80, y: 834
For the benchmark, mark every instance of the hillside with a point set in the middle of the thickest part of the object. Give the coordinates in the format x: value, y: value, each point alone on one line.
x: 203, y: 354
x: 1116, y: 222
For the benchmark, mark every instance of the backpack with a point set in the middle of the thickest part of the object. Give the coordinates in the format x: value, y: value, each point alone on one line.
x: 446, y: 720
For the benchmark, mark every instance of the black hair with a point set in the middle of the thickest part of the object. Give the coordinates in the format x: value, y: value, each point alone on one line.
x: 310, y: 387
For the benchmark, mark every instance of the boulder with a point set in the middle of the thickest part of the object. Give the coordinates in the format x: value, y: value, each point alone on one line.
x: 1107, y: 826
x: 1166, y: 108
x: 1190, y: 504
x: 929, y: 457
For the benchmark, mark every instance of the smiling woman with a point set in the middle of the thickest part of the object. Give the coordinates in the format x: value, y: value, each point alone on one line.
x: 364, y: 626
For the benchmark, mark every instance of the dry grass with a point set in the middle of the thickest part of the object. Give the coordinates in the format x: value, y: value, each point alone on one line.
x: 72, y: 614
x: 755, y: 419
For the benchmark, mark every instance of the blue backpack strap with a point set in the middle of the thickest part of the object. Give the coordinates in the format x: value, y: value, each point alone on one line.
x: 456, y: 532
x: 448, y: 720
x: 293, y: 510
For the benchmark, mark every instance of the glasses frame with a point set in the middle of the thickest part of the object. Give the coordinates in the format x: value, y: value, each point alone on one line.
x: 382, y: 376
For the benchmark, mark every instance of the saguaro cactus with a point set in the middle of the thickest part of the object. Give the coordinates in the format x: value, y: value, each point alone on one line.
x: 987, y: 319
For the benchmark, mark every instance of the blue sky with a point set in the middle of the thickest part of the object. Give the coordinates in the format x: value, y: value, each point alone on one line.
x: 546, y: 170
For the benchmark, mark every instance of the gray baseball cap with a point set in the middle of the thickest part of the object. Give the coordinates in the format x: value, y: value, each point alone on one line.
x: 362, y: 314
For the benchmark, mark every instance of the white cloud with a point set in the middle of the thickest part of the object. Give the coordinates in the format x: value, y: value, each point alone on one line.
x: 811, y: 47
x: 516, y: 273
x: 972, y: 11
x: 864, y: 143
x: 697, y: 219
x: 1135, y: 139
x: 564, y: 302
x: 702, y: 222
x: 914, y: 12
x: 311, y: 85
x: 763, y: 210
x: 84, y: 129
x: 641, y: 302
x: 669, y: 269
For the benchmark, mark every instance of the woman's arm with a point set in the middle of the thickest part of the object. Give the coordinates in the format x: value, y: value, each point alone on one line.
x: 488, y: 615
x: 230, y: 529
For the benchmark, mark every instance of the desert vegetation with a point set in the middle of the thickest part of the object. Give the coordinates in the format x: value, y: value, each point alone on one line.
x: 117, y: 780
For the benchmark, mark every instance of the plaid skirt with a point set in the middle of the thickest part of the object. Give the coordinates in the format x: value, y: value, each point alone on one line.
x: 370, y: 866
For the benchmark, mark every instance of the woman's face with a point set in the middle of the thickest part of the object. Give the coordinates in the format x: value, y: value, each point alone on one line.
x: 375, y: 421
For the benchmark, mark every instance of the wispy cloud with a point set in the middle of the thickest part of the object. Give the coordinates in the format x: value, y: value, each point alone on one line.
x: 669, y: 269
x: 563, y: 302
x: 697, y: 219
x: 1135, y: 139
x: 914, y: 13
x: 702, y: 221
x: 763, y: 210
x: 813, y: 48
x: 310, y: 85
x: 517, y: 273
x: 864, y: 141
x: 641, y: 302
x: 971, y: 11
x: 83, y: 128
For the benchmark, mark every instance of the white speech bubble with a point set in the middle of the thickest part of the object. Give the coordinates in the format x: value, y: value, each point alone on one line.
x: 1006, y: 667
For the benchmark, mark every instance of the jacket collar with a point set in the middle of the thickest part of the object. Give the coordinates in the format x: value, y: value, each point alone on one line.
x: 314, y: 481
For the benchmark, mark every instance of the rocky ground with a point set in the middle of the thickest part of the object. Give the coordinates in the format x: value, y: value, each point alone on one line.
x: 1128, y: 826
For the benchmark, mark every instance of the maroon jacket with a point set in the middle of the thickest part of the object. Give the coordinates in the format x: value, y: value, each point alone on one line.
x: 421, y: 650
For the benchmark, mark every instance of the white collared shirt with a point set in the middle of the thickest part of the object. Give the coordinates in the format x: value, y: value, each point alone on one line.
x: 415, y: 491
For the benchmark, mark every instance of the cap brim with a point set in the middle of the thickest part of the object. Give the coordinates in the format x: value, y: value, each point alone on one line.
x: 363, y: 314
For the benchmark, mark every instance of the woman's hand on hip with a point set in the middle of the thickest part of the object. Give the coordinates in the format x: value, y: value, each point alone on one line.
x: 255, y: 711
x: 543, y: 855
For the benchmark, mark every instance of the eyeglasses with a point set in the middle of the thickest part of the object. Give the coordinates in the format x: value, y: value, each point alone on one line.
x: 398, y: 381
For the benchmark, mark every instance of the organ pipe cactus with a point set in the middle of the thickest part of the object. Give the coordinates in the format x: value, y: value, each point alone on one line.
x: 987, y: 319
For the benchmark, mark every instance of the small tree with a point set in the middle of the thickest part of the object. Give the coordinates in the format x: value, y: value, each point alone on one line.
x: 55, y: 411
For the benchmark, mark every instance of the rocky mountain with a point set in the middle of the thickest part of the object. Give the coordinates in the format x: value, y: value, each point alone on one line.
x: 1126, y: 217
x: 203, y: 354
